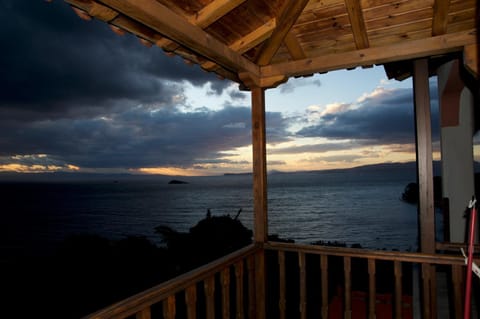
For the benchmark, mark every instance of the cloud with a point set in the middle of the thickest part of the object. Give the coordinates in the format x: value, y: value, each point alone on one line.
x: 135, y: 137
x: 315, y: 148
x: 293, y: 84
x: 383, y: 117
x: 56, y: 65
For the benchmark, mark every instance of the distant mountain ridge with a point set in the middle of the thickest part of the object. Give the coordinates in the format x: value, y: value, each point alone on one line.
x: 75, y: 176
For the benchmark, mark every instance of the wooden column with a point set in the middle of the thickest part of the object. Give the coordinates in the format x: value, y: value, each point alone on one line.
x: 426, y: 220
x: 259, y: 165
x: 424, y: 156
x: 259, y: 194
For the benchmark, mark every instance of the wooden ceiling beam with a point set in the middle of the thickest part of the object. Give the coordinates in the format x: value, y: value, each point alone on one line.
x: 249, y: 41
x: 357, y: 22
x: 289, y: 14
x: 158, y: 17
x: 440, y: 17
x: 205, y: 17
x: 379, y: 55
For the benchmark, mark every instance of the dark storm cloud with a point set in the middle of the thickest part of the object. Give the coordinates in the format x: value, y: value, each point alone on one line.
x: 56, y: 65
x: 292, y: 84
x: 134, y: 138
x: 237, y: 95
x: 383, y: 118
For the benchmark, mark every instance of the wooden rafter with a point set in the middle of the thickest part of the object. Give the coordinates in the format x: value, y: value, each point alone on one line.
x: 378, y: 55
x: 357, y: 22
x: 440, y: 17
x: 293, y: 46
x: 166, y: 22
x: 289, y: 15
x: 213, y: 11
x: 249, y: 41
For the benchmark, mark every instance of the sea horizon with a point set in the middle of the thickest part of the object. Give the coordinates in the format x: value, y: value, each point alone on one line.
x: 53, y: 176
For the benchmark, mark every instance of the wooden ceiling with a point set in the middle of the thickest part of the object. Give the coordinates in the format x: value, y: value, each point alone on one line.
x: 264, y: 42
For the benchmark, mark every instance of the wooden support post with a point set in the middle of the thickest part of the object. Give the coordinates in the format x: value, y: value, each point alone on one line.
x: 426, y: 220
x: 259, y: 193
x: 260, y: 293
x: 259, y: 164
x: 424, y: 156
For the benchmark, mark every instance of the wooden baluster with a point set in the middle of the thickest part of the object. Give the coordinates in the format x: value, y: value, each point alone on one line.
x: 282, y: 302
x: 347, y: 267
x: 303, y: 285
x: 324, y: 271
x: 169, y: 307
x: 433, y: 290
x: 372, y: 291
x: 225, y: 275
x: 209, y: 286
x: 191, y: 301
x: 144, y: 314
x: 458, y: 283
x: 397, y: 268
x: 239, y: 289
x: 426, y: 290
x: 251, y: 286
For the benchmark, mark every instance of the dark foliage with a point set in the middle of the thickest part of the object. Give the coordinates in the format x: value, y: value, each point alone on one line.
x: 209, y: 239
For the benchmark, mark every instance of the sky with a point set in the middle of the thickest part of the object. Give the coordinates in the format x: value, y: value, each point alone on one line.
x: 76, y: 97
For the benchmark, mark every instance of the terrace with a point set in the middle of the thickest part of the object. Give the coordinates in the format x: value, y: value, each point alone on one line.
x: 261, y: 44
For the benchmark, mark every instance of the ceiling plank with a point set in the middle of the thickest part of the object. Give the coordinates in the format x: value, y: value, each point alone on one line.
x: 163, y: 20
x: 293, y: 46
x: 249, y: 41
x: 357, y: 22
x: 396, y: 52
x: 290, y: 13
x: 440, y: 17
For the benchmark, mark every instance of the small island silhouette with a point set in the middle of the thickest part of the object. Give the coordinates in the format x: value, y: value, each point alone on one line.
x: 176, y: 181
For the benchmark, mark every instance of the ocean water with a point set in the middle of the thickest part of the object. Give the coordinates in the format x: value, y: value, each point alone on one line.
x: 359, y: 206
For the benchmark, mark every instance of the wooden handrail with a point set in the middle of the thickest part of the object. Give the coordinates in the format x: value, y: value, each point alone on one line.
x: 145, y: 299
x: 454, y: 246
x: 414, y: 257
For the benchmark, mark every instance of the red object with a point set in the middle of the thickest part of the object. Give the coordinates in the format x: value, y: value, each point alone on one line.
x: 407, y: 307
x: 359, y: 305
x: 468, y: 288
x: 384, y: 306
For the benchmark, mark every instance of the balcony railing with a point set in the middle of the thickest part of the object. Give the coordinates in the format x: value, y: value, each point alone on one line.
x: 282, y: 280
